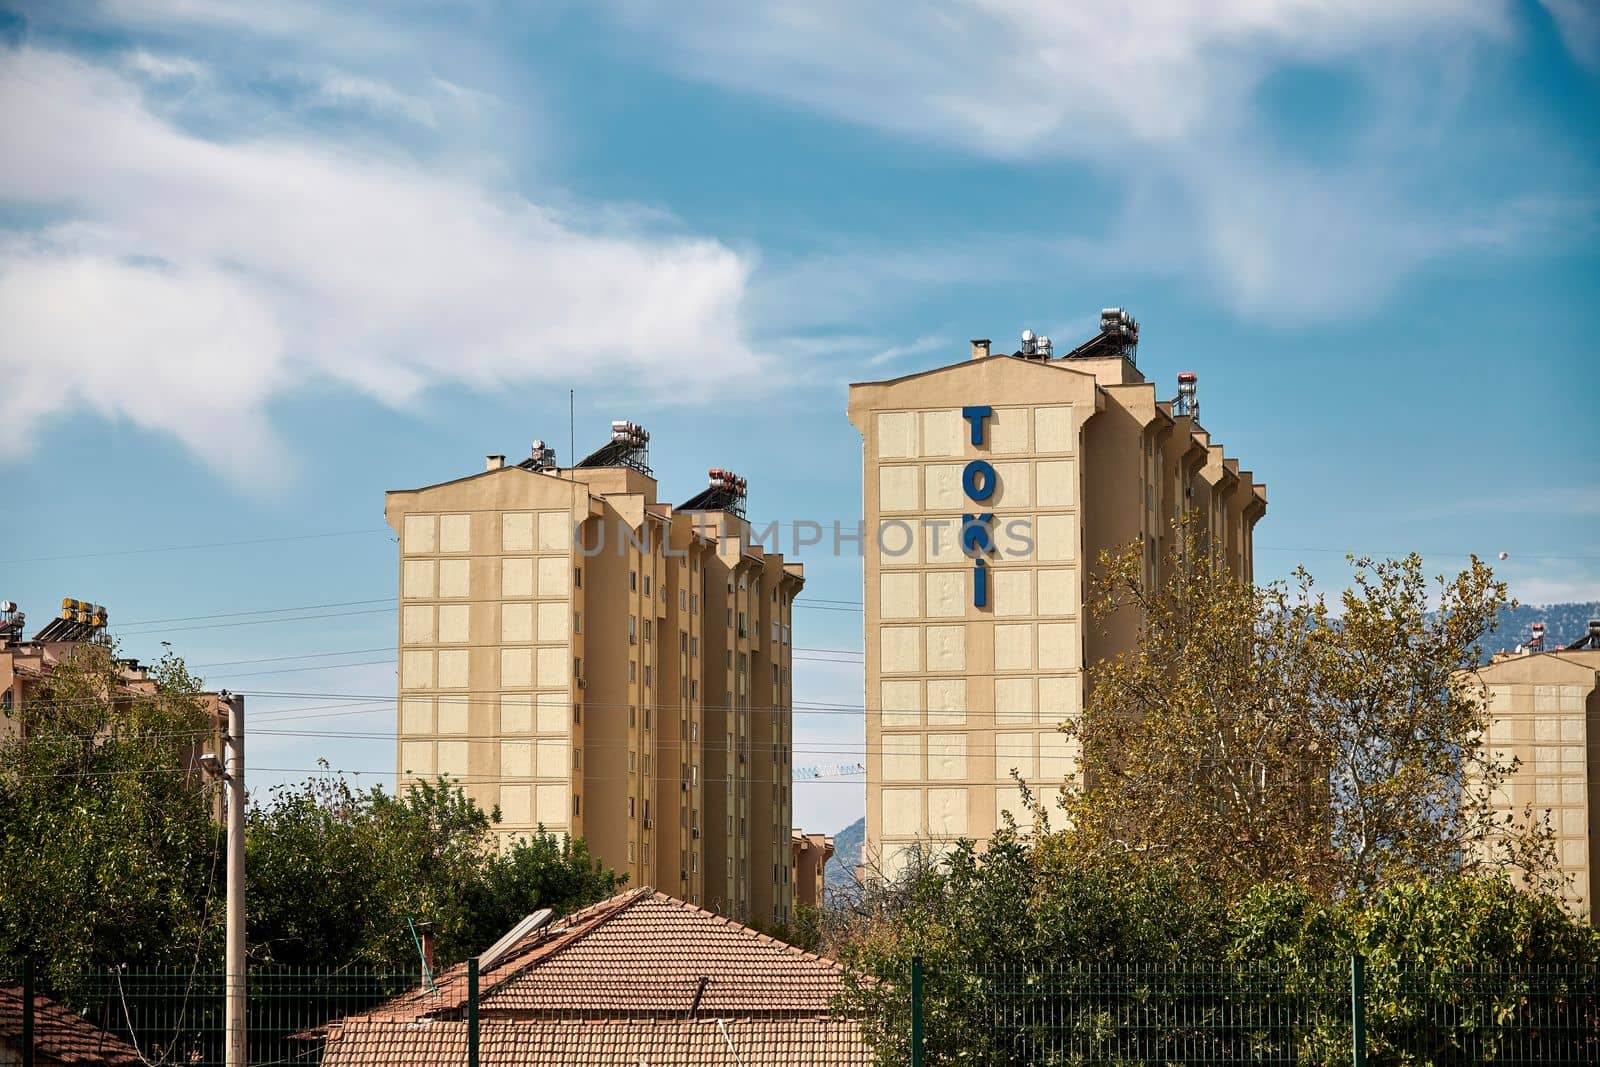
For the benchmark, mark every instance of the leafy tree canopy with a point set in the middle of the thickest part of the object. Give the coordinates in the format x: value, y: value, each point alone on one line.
x: 1258, y: 734
x: 110, y: 853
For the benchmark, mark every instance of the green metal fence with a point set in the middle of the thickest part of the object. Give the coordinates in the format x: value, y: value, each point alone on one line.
x: 1045, y: 1013
x: 1057, y: 1014
x: 176, y: 1018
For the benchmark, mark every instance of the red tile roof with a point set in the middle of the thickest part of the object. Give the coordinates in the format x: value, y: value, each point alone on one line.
x: 640, y: 953
x: 642, y: 977
x: 59, y: 1035
x: 816, y: 1042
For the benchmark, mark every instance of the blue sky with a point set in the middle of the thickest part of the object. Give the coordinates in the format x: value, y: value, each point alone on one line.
x: 260, y: 262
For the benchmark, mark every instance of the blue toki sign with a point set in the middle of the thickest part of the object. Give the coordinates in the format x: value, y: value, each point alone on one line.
x: 977, y: 529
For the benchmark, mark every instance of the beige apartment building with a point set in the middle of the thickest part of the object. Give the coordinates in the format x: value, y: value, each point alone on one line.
x: 992, y: 484
x: 596, y: 662
x: 811, y: 853
x: 1545, y: 708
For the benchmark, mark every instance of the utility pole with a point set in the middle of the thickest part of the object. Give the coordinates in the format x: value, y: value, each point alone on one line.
x: 233, y: 777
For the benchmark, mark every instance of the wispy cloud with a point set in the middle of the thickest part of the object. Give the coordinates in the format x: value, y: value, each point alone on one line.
x: 343, y: 91
x: 160, y: 68
x: 197, y: 281
x: 1173, y: 102
x: 1578, y: 22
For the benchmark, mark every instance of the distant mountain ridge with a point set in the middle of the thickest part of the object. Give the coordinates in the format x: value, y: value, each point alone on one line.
x: 1564, y: 624
x: 847, y: 844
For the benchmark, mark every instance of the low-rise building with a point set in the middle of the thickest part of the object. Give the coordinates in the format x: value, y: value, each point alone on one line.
x: 639, y: 978
x: 61, y: 1038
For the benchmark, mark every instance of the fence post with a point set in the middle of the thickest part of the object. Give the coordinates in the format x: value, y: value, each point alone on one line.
x: 1358, y: 1012
x: 916, y: 1011
x: 472, y: 1011
x: 27, y: 1011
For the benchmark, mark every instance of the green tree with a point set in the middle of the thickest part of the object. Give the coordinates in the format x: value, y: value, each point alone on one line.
x: 1255, y: 734
x: 108, y: 852
x: 337, y: 875
x: 1021, y: 904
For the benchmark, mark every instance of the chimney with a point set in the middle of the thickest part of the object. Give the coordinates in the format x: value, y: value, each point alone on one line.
x: 427, y: 950
x: 493, y: 463
x: 980, y: 348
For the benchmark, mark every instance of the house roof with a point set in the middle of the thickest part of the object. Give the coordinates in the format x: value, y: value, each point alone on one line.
x: 824, y: 1042
x: 60, y: 1035
x: 639, y: 954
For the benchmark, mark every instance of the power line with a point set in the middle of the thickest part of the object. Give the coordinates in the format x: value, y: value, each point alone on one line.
x: 280, y: 659
x: 197, y: 547
x: 259, y: 611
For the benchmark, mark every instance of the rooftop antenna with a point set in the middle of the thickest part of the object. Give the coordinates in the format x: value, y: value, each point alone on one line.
x: 572, y: 434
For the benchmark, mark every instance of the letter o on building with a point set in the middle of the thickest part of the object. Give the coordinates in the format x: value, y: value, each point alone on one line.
x: 979, y: 470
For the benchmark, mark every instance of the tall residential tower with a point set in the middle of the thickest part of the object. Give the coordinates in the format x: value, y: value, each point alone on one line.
x: 991, y: 484
x: 595, y: 662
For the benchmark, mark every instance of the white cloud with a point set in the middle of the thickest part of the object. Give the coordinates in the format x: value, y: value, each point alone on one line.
x: 198, y: 280
x: 1578, y: 22
x: 1164, y: 100
x: 341, y: 90
x: 163, y: 68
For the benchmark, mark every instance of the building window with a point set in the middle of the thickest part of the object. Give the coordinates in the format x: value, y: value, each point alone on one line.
x: 577, y: 713
x: 632, y: 715
x: 633, y: 670
x: 683, y: 640
x: 577, y: 668
x: 648, y: 630
x: 694, y: 646
x: 577, y: 759
x: 694, y: 689
x: 632, y: 626
x: 647, y: 717
x: 577, y: 577
x: 630, y: 851
x: 577, y: 622
x: 647, y: 674
x: 633, y: 758
x: 647, y: 585
x: 630, y: 807
x: 633, y: 581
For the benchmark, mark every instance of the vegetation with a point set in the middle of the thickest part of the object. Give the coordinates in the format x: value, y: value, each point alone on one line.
x: 1257, y: 734
x: 110, y: 853
x: 339, y: 875
x: 1271, y: 785
x: 1029, y: 907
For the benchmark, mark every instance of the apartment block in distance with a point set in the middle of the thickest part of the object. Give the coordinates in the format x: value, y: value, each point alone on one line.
x: 26, y: 665
x: 1545, y: 711
x: 991, y: 485
x: 596, y: 662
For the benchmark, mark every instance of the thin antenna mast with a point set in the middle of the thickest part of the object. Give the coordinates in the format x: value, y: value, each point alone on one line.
x: 572, y: 435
